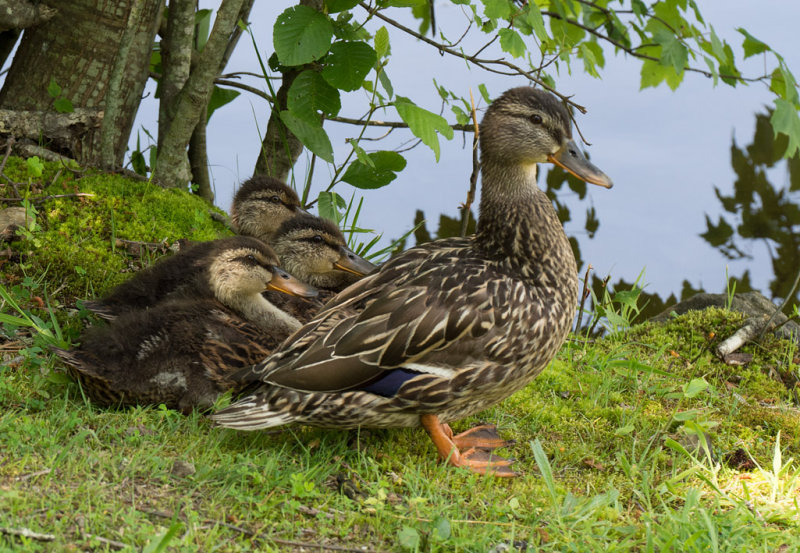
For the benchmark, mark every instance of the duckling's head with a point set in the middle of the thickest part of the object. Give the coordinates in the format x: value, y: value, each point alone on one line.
x: 261, y: 204
x: 526, y: 126
x: 315, y: 251
x: 241, y: 268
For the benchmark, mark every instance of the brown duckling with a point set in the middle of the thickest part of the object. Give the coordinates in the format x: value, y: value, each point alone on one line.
x: 186, y: 273
x: 315, y: 251
x: 261, y: 204
x: 182, y: 351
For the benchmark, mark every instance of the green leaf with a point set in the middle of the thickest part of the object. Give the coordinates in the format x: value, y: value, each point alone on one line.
x: 362, y: 155
x: 751, y: 44
x: 385, y: 165
x: 35, y: 166
x: 462, y: 117
x: 695, y: 387
x: 160, y: 543
x: 329, y: 204
x: 535, y: 20
x: 310, y: 94
x: 423, y: 123
x: 484, y: 93
x: 312, y: 135
x: 386, y: 83
x: 347, y: 64
x: 592, y: 55
x: 785, y: 120
x: 511, y: 42
x: 220, y: 97
x: 673, y: 52
x: 408, y: 538
x: 63, y: 105
x: 301, y: 35
x: 202, y: 20
x: 624, y: 430
x: 53, y: 89
x: 335, y: 6
x: 497, y: 9
x: 441, y: 529
x: 381, y: 42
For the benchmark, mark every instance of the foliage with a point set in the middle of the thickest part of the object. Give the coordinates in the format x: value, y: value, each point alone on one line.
x: 758, y: 211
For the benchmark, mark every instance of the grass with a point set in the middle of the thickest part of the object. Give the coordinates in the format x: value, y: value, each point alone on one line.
x: 638, y: 441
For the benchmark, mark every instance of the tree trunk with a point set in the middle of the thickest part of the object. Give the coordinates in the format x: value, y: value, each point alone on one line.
x: 280, y: 148
x: 98, y: 53
x: 192, y: 102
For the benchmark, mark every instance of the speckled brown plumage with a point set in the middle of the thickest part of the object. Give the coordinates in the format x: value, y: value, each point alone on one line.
x: 451, y: 327
x: 315, y: 251
x: 261, y: 205
x: 184, y: 274
x: 182, y: 351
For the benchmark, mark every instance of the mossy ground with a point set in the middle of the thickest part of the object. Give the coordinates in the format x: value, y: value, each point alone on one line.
x: 639, y: 441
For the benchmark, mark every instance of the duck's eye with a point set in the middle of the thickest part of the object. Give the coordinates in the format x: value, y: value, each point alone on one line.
x: 275, y: 199
x: 536, y: 119
x: 317, y: 238
x: 251, y: 258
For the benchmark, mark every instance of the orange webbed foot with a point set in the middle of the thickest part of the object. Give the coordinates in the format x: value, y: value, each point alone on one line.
x: 477, y: 443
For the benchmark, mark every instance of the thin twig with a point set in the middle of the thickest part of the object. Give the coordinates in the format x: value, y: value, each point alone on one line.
x: 26, y: 533
x: 338, y: 118
x: 482, y: 63
x: 52, y: 197
x: 584, y: 295
x: 788, y: 298
x: 33, y: 475
x: 111, y: 543
x: 476, y: 167
x: 322, y: 546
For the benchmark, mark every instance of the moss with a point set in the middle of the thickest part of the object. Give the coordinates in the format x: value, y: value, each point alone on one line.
x: 74, y: 241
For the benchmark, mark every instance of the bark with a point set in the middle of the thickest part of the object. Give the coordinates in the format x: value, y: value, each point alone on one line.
x: 20, y: 14
x: 280, y: 148
x: 193, y: 99
x: 198, y: 160
x: 176, y: 61
x: 98, y: 52
x: 198, y: 150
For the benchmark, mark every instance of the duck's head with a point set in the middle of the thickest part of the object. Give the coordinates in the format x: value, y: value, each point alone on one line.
x: 315, y: 251
x: 242, y: 267
x: 261, y: 204
x: 526, y: 126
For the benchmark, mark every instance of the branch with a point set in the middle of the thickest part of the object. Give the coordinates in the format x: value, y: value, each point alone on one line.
x: 634, y: 53
x: 482, y: 63
x: 23, y: 14
x: 25, y: 533
x: 338, y: 119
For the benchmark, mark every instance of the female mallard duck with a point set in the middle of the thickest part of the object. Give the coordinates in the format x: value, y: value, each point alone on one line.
x: 314, y: 250
x: 260, y: 206
x: 451, y: 327
x: 182, y: 351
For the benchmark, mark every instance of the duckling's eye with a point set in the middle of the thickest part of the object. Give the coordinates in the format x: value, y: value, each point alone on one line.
x: 536, y: 119
x: 251, y: 258
x: 275, y: 199
x: 317, y: 238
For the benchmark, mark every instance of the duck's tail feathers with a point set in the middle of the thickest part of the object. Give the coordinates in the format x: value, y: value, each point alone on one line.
x: 251, y: 413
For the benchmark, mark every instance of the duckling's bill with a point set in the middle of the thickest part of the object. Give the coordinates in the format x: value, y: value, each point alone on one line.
x: 286, y: 283
x: 351, y: 263
x: 570, y: 158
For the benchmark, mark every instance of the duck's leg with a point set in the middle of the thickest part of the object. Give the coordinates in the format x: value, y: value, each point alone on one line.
x: 476, y: 458
x: 484, y: 436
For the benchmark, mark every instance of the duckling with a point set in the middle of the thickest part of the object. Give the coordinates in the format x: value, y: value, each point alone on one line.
x: 182, y: 351
x: 314, y: 250
x: 186, y: 273
x: 451, y: 327
x: 261, y: 204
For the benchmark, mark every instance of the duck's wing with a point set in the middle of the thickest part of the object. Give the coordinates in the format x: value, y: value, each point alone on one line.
x: 425, y: 313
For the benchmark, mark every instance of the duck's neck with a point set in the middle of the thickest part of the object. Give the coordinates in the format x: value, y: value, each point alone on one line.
x: 258, y: 311
x: 518, y: 226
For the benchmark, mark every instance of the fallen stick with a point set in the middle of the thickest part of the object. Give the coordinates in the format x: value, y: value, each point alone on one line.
x: 26, y: 533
